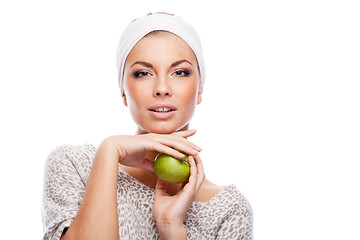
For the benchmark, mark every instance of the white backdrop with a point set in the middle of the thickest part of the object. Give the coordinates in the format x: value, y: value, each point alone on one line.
x: 280, y: 115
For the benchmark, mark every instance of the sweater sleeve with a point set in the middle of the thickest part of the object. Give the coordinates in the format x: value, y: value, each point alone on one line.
x: 64, y: 188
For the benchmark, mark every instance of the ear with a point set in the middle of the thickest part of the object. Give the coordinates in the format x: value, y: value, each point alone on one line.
x: 124, y: 100
x: 199, y: 97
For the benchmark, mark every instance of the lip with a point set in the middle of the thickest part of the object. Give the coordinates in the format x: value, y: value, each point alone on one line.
x: 162, y: 115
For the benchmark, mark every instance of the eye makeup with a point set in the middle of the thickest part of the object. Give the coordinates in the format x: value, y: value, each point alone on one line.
x: 182, y: 73
x: 140, y: 74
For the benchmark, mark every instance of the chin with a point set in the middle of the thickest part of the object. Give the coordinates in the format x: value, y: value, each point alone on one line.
x: 166, y: 128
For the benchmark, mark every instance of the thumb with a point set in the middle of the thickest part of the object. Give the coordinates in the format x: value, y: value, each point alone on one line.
x: 160, y: 188
x: 149, y: 165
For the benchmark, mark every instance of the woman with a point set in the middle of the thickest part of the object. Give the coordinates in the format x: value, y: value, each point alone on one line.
x: 112, y: 192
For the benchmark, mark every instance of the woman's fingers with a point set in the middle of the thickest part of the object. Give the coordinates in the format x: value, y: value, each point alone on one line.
x: 165, y: 149
x: 197, y: 176
x: 190, y: 187
x: 147, y: 164
x: 185, y: 133
x: 160, y: 188
x: 200, y: 171
x: 172, y: 142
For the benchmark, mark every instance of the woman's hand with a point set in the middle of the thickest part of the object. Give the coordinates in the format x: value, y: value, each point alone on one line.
x: 169, y: 211
x: 131, y: 150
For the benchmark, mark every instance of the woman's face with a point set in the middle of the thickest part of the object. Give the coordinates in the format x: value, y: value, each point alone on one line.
x: 161, y: 83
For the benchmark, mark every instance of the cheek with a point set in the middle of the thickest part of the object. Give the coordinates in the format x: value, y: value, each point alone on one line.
x: 136, y: 93
x: 189, y: 98
x: 135, y: 100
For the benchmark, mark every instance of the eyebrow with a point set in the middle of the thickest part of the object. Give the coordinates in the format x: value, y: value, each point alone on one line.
x: 146, y: 64
x: 174, y: 64
x: 179, y: 62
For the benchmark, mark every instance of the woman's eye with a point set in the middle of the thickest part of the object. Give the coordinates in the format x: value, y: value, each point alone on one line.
x: 141, y: 74
x: 182, y: 73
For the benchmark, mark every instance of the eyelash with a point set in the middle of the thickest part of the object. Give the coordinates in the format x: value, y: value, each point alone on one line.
x: 180, y: 73
x: 140, y: 74
x: 184, y: 72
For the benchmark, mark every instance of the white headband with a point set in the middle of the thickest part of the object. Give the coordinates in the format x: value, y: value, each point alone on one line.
x: 160, y: 21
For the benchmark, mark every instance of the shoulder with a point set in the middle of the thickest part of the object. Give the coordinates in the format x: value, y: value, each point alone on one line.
x: 238, y: 218
x: 240, y: 211
x: 68, y: 158
x: 71, y: 152
x: 229, y: 201
x: 237, y: 201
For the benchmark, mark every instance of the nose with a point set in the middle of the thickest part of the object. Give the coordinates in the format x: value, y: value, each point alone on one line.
x: 162, y: 89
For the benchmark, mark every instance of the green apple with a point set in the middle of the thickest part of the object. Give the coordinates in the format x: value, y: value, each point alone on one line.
x: 172, y: 170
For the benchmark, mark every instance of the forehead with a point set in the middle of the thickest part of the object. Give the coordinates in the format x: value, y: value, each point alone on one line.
x: 163, y: 45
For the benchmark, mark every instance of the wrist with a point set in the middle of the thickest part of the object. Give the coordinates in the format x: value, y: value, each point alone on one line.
x: 108, y: 149
x: 171, y: 231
